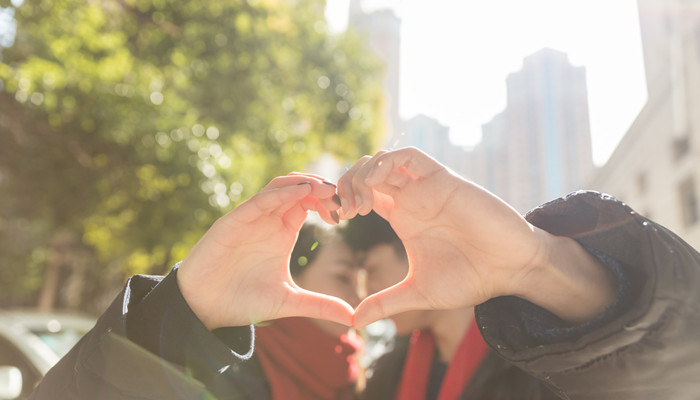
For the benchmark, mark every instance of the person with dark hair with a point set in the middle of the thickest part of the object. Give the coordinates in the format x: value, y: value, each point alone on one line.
x: 310, y: 358
x: 580, y: 299
x: 191, y: 334
x: 428, y: 339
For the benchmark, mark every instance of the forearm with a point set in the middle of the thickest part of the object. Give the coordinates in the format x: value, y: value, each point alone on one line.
x: 568, y: 281
x: 644, y: 346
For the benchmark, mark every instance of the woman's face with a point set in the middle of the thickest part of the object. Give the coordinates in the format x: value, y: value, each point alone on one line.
x: 333, y: 272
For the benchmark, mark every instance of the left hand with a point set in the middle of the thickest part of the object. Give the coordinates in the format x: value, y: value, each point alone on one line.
x: 238, y: 272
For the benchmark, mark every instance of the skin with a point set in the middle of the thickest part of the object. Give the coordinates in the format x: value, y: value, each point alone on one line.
x: 385, y: 267
x: 333, y: 272
x: 244, y: 258
x: 465, y: 245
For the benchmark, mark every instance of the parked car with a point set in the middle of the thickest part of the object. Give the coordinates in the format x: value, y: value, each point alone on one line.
x: 31, y: 342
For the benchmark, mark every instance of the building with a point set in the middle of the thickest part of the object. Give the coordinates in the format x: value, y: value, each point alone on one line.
x: 539, y: 147
x: 429, y: 135
x: 656, y: 166
x: 383, y: 31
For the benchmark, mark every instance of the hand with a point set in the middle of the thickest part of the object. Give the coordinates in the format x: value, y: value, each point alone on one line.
x: 238, y: 272
x: 464, y: 244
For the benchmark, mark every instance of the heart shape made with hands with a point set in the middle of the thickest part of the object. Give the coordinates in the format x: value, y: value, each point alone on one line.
x: 245, y: 256
x: 463, y: 244
x: 326, y: 261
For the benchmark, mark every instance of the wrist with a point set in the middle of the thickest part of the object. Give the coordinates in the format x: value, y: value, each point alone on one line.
x: 567, y: 280
x: 193, y: 301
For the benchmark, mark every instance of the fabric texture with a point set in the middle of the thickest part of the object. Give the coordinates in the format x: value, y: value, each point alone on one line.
x: 644, y: 348
x: 419, y: 360
x: 302, y: 362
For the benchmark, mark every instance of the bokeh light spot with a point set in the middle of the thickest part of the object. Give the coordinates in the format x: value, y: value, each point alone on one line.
x: 323, y: 82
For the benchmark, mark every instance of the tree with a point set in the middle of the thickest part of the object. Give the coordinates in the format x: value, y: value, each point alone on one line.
x: 128, y: 126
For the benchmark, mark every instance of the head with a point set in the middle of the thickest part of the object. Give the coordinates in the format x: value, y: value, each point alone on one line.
x: 323, y: 262
x: 383, y: 257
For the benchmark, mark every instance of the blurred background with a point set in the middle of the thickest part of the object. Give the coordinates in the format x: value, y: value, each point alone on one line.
x: 128, y: 126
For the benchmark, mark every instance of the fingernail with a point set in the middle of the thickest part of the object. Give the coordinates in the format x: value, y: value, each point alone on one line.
x: 303, y: 183
x: 336, y: 200
x: 358, y: 202
x: 344, y: 205
x: 330, y: 183
x: 336, y: 218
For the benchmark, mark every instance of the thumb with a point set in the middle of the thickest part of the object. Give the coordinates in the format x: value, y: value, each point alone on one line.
x: 305, y: 303
x: 396, y: 299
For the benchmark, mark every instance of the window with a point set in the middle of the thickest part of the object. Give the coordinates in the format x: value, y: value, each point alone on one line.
x: 642, y: 183
x: 681, y: 146
x: 689, y: 202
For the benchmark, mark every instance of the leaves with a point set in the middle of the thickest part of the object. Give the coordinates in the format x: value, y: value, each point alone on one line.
x: 133, y: 124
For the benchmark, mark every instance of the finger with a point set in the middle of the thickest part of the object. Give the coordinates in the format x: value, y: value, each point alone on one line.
x: 396, y: 299
x: 323, y: 189
x: 305, y: 303
x: 414, y: 162
x: 269, y: 201
x: 383, y: 200
x: 331, y: 203
x: 294, y: 218
x: 314, y: 204
x: 319, y: 177
x: 345, y: 189
x: 363, y: 193
x: 320, y: 187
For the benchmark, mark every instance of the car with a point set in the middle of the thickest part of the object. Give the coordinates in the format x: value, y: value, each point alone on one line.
x: 31, y: 342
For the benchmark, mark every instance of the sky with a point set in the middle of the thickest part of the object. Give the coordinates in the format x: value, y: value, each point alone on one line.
x: 456, y: 55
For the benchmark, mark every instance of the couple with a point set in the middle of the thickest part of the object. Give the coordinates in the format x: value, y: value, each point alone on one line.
x: 581, y: 299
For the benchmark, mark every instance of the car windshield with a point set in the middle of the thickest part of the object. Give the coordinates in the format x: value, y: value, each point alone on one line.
x: 61, y: 341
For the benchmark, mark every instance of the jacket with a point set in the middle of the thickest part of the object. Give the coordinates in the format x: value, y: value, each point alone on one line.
x: 149, y: 345
x: 645, y: 346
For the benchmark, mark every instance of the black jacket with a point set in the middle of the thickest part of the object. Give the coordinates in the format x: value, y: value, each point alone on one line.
x: 149, y: 345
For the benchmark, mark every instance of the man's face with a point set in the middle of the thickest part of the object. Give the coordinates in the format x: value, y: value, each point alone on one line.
x: 385, y: 268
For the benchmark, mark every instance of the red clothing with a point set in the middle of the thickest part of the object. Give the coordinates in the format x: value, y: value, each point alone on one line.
x: 416, y: 372
x: 302, y: 362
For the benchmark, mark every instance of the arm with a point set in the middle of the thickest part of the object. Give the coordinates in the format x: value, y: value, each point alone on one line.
x: 104, y: 363
x: 566, y: 280
x: 155, y: 341
x: 645, y: 346
x: 466, y: 245
x: 635, y: 337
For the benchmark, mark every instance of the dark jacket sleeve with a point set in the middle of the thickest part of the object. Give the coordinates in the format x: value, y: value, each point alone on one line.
x: 150, y: 345
x: 645, y: 346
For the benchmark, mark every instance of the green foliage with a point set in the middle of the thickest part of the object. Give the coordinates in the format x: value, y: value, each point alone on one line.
x: 133, y: 124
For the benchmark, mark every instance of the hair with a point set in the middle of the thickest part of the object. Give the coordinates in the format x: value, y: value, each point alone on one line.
x: 311, y: 238
x: 365, y: 232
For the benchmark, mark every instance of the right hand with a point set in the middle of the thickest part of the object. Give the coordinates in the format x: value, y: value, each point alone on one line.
x: 464, y: 244
x: 238, y: 272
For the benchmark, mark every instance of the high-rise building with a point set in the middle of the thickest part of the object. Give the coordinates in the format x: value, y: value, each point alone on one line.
x: 383, y: 31
x: 427, y: 134
x: 656, y: 166
x: 539, y: 147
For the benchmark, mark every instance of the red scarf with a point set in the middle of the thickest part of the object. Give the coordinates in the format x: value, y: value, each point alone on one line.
x: 416, y: 371
x: 302, y: 362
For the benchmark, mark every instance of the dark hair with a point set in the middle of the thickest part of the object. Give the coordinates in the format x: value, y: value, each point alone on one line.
x: 311, y: 238
x: 365, y: 232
